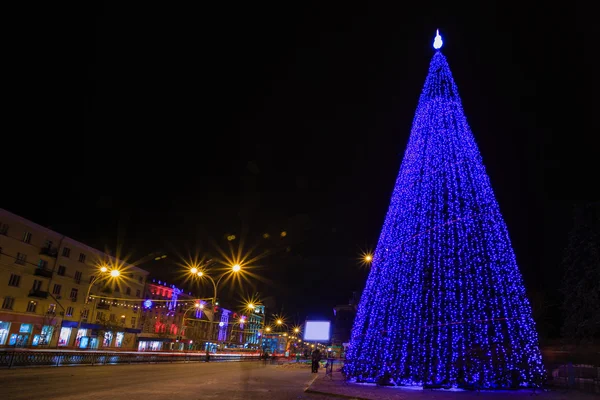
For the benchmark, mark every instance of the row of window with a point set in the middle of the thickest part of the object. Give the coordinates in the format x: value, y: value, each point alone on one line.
x: 8, y: 303
x: 15, y: 281
x: 48, y: 244
x: 21, y: 258
x: 113, y: 318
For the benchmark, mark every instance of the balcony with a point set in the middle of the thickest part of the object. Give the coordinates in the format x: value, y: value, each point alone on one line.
x: 49, y: 252
x: 46, y: 273
x: 103, y: 306
x: 40, y: 294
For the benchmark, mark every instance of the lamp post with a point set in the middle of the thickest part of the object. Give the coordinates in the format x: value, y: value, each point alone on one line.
x: 104, y: 274
x: 200, y: 274
x: 196, y: 306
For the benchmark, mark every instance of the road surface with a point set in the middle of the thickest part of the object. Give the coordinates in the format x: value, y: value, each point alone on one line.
x: 233, y: 380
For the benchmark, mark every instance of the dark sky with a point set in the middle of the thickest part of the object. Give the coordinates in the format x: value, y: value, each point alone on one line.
x: 185, y: 125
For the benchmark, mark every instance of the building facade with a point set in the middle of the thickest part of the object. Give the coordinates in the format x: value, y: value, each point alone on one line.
x: 44, y: 280
x: 254, y: 328
x: 171, y: 320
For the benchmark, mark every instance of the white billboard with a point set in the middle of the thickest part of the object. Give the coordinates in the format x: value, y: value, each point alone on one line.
x: 317, y: 331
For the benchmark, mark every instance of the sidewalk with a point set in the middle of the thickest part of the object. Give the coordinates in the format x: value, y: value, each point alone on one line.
x: 337, y: 387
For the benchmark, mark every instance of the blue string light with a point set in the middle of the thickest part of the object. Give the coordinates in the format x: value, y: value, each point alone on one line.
x: 444, y: 302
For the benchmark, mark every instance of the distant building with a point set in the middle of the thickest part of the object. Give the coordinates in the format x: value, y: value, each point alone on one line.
x: 343, y: 319
x: 254, y: 328
x: 274, y: 343
x: 171, y: 321
x: 44, y: 279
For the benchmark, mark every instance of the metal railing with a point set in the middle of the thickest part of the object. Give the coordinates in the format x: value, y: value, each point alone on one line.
x: 32, y: 358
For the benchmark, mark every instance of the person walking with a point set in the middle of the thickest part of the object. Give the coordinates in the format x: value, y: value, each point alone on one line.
x: 207, y: 355
x: 316, y: 357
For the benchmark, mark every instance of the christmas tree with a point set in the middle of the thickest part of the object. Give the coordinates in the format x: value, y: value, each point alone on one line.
x: 444, y: 303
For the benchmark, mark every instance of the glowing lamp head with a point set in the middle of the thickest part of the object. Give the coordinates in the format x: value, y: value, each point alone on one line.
x: 296, y: 330
x: 279, y: 322
x: 114, y: 273
x: 103, y: 269
x: 268, y: 329
x: 368, y: 258
x: 236, y: 268
x: 251, y: 306
x: 437, y: 42
x: 198, y: 305
x: 194, y: 270
x: 123, y: 316
x: 200, y: 274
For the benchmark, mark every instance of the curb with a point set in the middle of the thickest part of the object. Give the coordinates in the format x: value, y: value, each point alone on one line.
x: 338, y: 395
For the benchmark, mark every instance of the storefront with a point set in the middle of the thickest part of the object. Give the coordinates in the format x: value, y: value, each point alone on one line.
x: 155, y: 343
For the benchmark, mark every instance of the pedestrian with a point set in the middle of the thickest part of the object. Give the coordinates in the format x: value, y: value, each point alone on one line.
x: 207, y: 355
x: 316, y: 357
x: 297, y: 357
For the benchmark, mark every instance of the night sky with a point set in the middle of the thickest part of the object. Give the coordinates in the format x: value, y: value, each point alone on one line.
x: 188, y: 125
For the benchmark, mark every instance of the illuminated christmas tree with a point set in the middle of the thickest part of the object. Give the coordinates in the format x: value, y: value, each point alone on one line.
x: 444, y: 303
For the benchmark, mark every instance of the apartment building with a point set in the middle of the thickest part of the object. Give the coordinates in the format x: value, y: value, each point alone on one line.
x: 44, y: 280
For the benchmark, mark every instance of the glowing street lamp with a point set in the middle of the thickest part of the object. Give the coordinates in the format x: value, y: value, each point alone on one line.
x: 368, y: 258
x: 103, y: 274
x: 197, y: 271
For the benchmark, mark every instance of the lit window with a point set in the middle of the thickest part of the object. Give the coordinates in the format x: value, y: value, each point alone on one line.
x: 31, y: 306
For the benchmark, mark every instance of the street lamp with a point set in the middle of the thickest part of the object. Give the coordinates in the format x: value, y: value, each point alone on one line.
x: 368, y: 258
x: 197, y: 306
x: 104, y: 274
x: 194, y: 270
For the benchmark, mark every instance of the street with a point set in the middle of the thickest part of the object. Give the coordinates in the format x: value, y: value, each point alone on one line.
x: 234, y: 380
